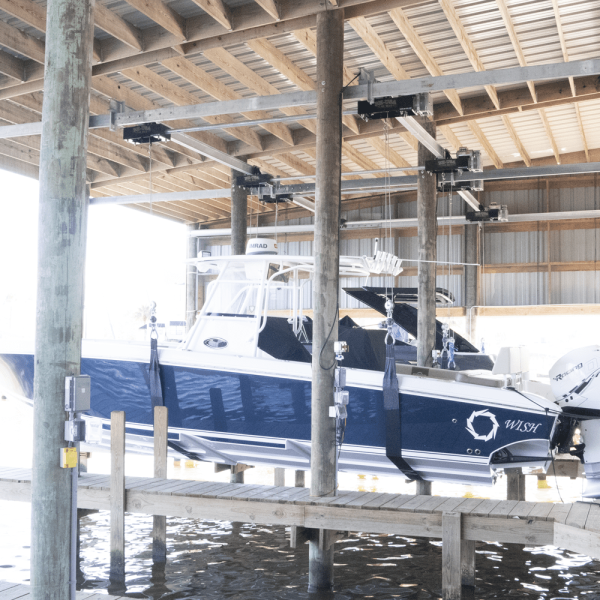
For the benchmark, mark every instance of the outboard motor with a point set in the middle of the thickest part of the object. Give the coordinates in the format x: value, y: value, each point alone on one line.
x: 575, y: 383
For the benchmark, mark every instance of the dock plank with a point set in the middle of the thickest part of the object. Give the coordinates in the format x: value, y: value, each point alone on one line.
x: 559, y: 513
x: 521, y: 510
x: 16, y: 593
x: 431, y: 505
x: 578, y: 515
x: 540, y: 511
x: 484, y: 509
x: 503, y: 509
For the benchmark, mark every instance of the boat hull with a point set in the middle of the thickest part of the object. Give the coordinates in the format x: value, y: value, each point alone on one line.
x: 257, y: 412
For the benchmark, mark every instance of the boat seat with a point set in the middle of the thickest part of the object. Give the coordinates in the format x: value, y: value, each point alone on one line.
x: 459, y: 376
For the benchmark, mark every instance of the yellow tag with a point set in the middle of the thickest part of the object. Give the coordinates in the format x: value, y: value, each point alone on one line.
x: 68, y: 458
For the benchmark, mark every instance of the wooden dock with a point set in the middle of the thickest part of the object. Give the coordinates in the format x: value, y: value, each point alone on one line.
x: 18, y: 591
x: 574, y: 527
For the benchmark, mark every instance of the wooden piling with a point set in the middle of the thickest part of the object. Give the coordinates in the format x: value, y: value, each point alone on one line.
x: 330, y: 49
x: 117, y: 497
x: 299, y: 479
x: 467, y: 563
x: 191, y: 279
x: 159, y: 527
x: 239, y: 215
x: 423, y: 488
x: 471, y: 278
x: 60, y: 286
x: 279, y: 477
x: 451, y: 556
x: 427, y: 235
x: 515, y: 484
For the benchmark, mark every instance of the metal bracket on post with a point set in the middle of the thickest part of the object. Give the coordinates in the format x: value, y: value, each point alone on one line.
x: 116, y: 107
x: 367, y: 78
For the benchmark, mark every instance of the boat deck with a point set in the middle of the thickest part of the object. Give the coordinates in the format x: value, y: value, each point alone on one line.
x: 574, y: 526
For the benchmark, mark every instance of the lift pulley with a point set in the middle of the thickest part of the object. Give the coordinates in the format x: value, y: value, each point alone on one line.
x: 261, y: 185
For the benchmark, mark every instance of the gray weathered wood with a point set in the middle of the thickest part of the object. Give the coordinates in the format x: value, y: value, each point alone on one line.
x: 427, y: 237
x: 515, y: 484
x: 323, y: 467
x: 467, y: 563
x: 299, y: 479
x: 451, y: 556
x: 423, y: 488
x: 117, y: 497
x: 159, y: 525
x: 61, y: 234
x: 279, y: 477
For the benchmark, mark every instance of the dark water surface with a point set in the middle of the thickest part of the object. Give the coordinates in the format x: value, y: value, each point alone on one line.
x: 208, y: 559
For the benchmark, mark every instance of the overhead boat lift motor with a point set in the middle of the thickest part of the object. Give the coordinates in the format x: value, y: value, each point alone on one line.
x: 447, y: 167
x: 261, y: 185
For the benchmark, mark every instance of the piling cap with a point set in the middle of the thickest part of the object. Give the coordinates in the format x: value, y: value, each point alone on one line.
x: 261, y: 246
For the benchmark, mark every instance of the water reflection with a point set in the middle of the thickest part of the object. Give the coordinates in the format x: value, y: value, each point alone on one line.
x: 208, y: 559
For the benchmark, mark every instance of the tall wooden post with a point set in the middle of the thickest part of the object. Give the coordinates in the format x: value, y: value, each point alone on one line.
x: 117, y: 498
x: 239, y: 215
x: 299, y: 479
x: 427, y: 224
x: 471, y: 278
x: 159, y: 527
x: 330, y: 51
x: 515, y: 484
x: 61, y: 257
x: 191, y: 279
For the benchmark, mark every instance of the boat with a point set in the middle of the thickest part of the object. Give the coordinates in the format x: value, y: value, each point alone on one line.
x: 238, y: 388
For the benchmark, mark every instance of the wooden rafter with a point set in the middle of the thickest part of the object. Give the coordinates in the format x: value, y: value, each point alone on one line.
x: 451, y: 137
x: 181, y: 97
x: 271, y: 7
x: 12, y: 66
x: 419, y: 48
x: 467, y: 44
x: 206, y: 82
x: 485, y: 144
x: 163, y: 15
x: 290, y: 70
x: 512, y: 34
x: 218, y: 10
x: 364, y: 29
x: 389, y: 153
x: 549, y: 134
x: 117, y: 27
x: 516, y: 139
x: 582, y: 132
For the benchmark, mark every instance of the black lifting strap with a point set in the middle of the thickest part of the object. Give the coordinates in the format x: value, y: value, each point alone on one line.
x: 156, y: 393
x: 391, y: 404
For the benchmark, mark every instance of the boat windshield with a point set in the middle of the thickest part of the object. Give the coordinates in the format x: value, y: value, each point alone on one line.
x: 235, y: 292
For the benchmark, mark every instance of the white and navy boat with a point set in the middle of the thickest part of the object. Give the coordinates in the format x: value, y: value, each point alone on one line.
x: 238, y: 388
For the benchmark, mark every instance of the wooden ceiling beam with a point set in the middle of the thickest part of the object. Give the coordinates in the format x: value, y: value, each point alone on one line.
x: 549, y: 134
x: 514, y: 38
x: 271, y: 7
x: 451, y: 137
x: 582, y: 132
x: 467, y: 45
x: 163, y: 15
x: 119, y: 28
x: 296, y: 163
x: 218, y: 90
x: 419, y: 48
x: 22, y: 42
x: 167, y: 89
x: 485, y: 144
x: 12, y: 66
x: 371, y: 38
x: 516, y: 139
x: 218, y: 10
x: 291, y: 71
x: 390, y: 154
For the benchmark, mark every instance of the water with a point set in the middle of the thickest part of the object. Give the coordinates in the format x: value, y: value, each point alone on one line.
x: 221, y: 560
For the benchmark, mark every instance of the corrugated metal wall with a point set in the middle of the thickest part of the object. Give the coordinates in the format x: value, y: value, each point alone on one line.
x: 510, y: 248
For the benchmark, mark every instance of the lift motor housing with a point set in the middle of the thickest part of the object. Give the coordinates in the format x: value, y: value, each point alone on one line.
x: 493, y: 212
x: 390, y: 107
x: 146, y: 133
